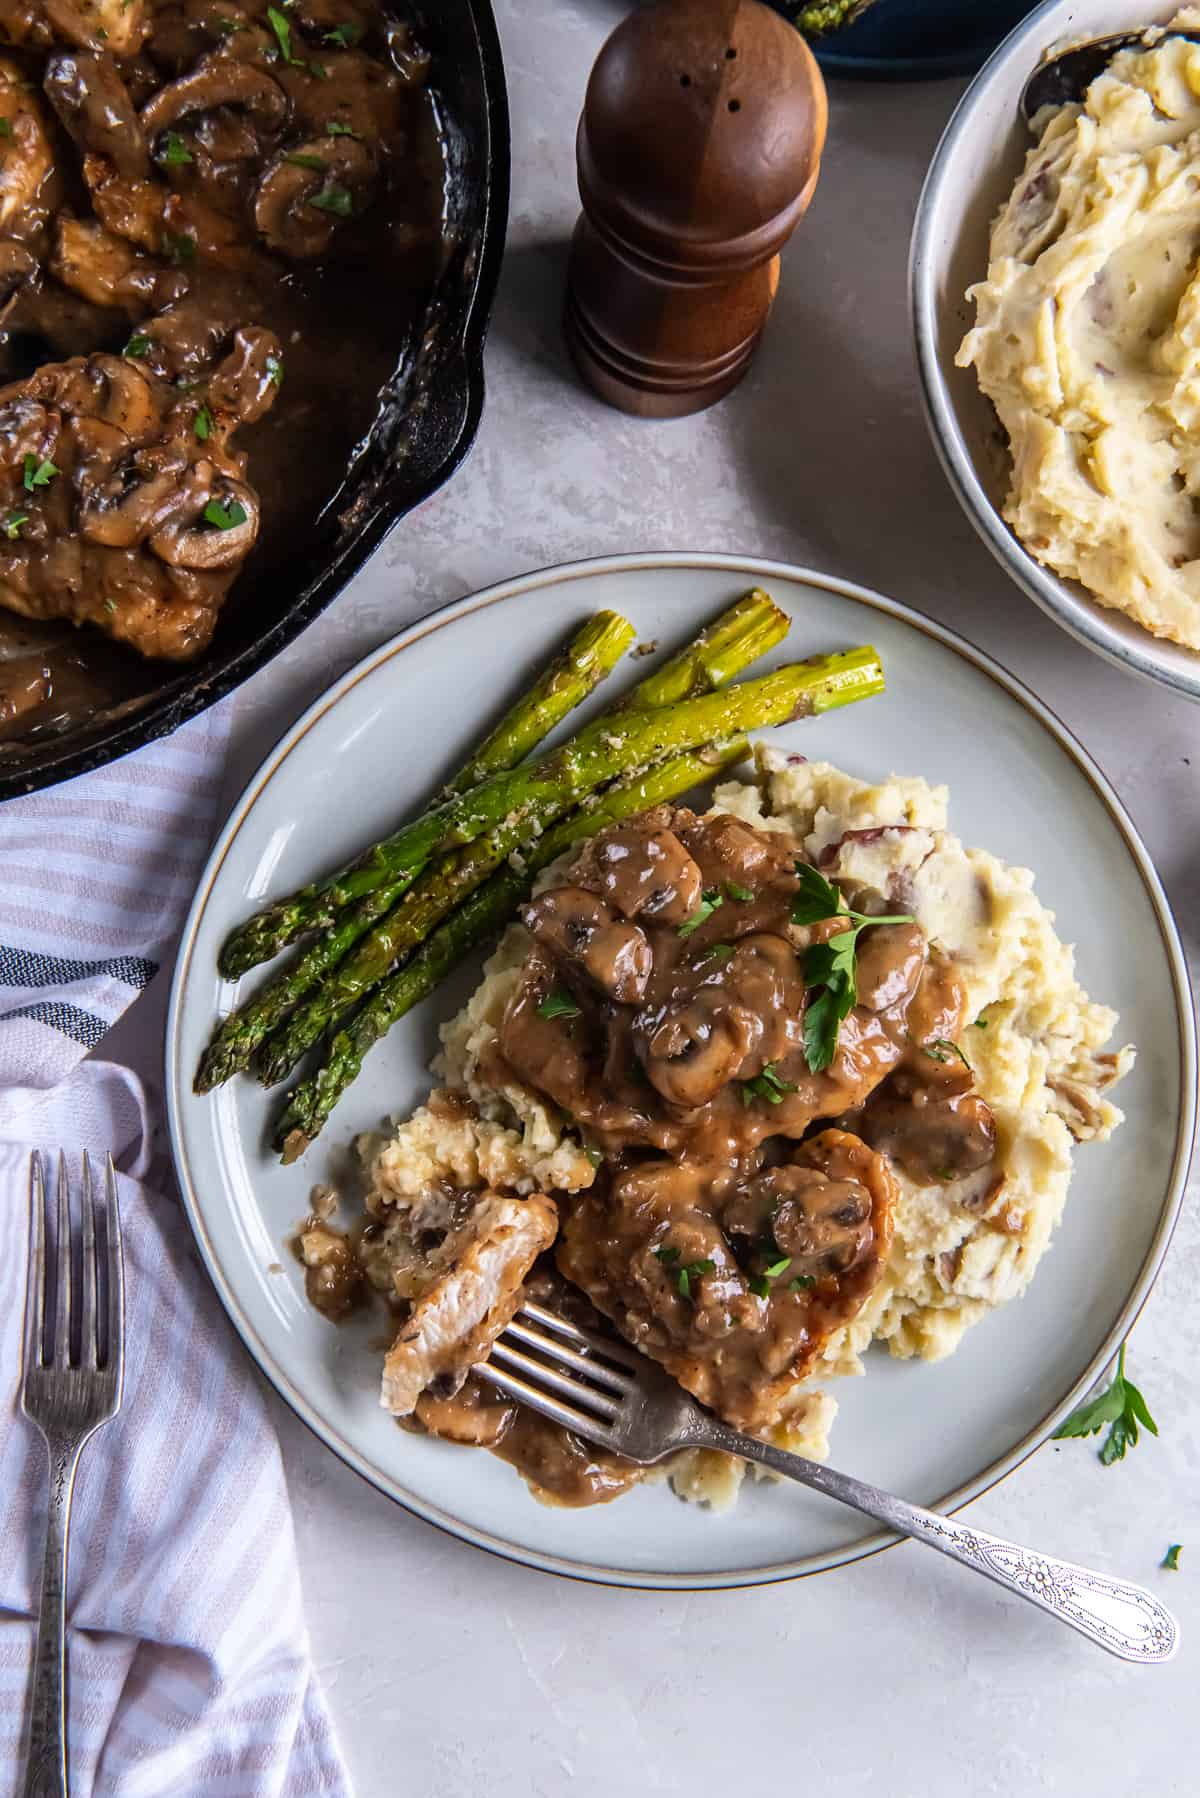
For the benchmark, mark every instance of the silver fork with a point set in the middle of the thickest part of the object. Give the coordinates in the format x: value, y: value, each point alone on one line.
x: 605, y: 1391
x: 71, y: 1385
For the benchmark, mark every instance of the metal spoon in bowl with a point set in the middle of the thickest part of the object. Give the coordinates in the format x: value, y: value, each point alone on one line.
x: 1065, y: 78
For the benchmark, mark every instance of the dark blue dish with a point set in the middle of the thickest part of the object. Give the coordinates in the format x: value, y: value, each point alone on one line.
x: 910, y: 40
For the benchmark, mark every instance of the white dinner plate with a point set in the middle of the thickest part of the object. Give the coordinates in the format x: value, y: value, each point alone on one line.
x: 376, y: 745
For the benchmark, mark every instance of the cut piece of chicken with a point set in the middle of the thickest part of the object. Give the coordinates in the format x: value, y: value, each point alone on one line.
x: 110, y: 272
x: 477, y: 1292
x: 30, y: 187
x: 119, y: 26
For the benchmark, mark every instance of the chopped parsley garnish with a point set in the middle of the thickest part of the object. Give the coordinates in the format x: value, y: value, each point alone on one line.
x: 760, y: 1284
x: 319, y: 70
x: 743, y: 895
x: 13, y: 523
x: 179, y: 246
x: 691, y: 1270
x: 1122, y: 1407
x: 343, y: 36
x: 1171, y: 1558
x: 5, y: 127
x: 202, y: 424
x: 38, y: 474
x: 174, y: 151
x: 768, y: 1085
x: 802, y: 1283
x: 829, y: 966
x: 226, y: 27
x: 110, y: 605
x: 333, y: 198
x: 981, y: 1023
x: 940, y: 1048
x: 558, y: 1003
x: 710, y: 898
x: 307, y: 162
x: 225, y: 518
x: 137, y: 346
x: 716, y: 952
x: 275, y: 370
x: 283, y: 35
x: 335, y: 128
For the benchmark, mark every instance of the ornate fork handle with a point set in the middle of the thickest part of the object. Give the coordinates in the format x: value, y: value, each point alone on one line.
x: 1126, y: 1619
x: 46, y: 1766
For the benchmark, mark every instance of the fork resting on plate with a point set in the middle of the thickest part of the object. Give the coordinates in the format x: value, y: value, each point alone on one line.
x: 606, y: 1392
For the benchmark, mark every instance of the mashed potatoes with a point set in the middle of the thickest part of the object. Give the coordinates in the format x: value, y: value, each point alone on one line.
x: 1037, y: 1046
x: 1087, y: 339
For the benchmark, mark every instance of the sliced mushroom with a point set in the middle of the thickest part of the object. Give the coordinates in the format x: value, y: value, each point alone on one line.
x: 643, y: 868
x: 17, y: 264
x: 91, y: 99
x: 580, y: 928
x: 247, y: 380
x: 189, y: 540
x: 307, y: 191
x: 124, y: 510
x: 215, y: 82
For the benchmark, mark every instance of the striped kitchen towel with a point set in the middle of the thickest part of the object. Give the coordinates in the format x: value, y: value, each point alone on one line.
x: 190, y: 1669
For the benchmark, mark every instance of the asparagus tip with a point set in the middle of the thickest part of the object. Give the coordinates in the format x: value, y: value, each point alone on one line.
x: 293, y: 1146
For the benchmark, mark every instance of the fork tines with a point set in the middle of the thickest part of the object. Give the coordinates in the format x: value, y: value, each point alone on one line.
x: 67, y: 1333
x: 556, y: 1357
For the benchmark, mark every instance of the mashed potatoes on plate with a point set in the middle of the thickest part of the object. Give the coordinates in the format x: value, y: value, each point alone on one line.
x: 1087, y: 339
x: 1037, y: 1045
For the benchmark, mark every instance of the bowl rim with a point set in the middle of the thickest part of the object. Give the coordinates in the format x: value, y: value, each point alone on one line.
x: 762, y: 571
x: 1081, y: 617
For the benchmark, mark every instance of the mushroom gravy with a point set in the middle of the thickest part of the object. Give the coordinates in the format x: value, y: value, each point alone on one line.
x: 209, y: 222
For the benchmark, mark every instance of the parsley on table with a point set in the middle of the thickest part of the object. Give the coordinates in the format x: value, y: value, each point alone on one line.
x: 691, y: 1270
x: 225, y: 518
x: 138, y: 344
x: 1122, y: 1407
x: 38, y: 474
x: 202, y: 424
x: 1171, y: 1558
x: 333, y: 198
x: 829, y: 966
x: 13, y: 523
x: 558, y: 1003
x: 768, y: 1085
x: 743, y: 895
x: 174, y: 151
x: 710, y: 899
x: 940, y: 1048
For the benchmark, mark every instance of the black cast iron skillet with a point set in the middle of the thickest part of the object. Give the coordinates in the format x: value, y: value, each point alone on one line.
x: 429, y: 417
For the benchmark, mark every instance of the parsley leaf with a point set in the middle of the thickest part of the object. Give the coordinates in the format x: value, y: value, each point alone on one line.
x: 138, y: 344
x: 225, y: 518
x: 768, y: 1085
x: 1171, y: 1558
x: 743, y: 895
x: 179, y: 246
x: 335, y: 128
x: 343, y: 36
x: 558, y: 1003
x: 829, y: 966
x: 691, y: 1272
x: 716, y: 952
x: 668, y: 1256
x: 710, y: 899
x: 5, y: 127
x: 778, y: 1267
x: 202, y: 424
x: 940, y: 1048
x: 802, y: 1283
x: 174, y: 151
x: 981, y: 1023
x: 1122, y: 1407
x: 333, y: 198
x: 283, y: 35
x: 13, y: 523
x: 275, y: 370
x: 594, y: 1155
x: 307, y: 162
x: 38, y: 474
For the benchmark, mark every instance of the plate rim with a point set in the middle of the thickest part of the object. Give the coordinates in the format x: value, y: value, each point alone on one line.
x: 759, y: 571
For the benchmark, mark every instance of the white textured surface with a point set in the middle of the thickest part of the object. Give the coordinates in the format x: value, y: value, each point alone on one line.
x: 450, y: 1673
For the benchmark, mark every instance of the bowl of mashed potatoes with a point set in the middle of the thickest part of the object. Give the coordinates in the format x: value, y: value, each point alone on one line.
x: 1055, y: 288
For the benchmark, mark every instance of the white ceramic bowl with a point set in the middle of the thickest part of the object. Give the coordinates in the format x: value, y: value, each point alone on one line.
x: 971, y: 175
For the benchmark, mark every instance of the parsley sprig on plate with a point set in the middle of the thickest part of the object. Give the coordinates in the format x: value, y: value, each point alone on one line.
x: 1122, y: 1407
x: 829, y: 967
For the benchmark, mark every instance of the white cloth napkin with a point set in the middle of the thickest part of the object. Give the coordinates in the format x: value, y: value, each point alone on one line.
x: 190, y: 1670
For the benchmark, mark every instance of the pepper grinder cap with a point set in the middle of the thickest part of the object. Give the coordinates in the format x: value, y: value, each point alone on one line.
x: 701, y: 136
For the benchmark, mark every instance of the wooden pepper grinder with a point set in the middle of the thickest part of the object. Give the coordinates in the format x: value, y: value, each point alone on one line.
x: 698, y: 151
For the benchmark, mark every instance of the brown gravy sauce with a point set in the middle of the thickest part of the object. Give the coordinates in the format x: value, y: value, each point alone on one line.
x: 343, y: 320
